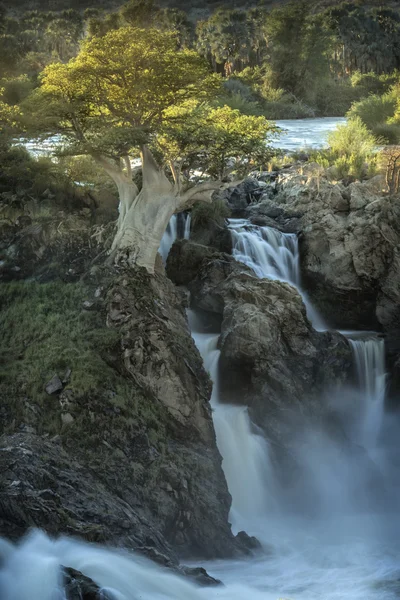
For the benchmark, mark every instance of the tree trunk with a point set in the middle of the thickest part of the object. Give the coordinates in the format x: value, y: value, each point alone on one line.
x: 144, y: 216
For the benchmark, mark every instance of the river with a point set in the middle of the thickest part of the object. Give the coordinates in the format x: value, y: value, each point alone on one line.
x: 298, y: 134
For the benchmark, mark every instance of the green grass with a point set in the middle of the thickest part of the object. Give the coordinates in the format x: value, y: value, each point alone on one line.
x: 45, y: 332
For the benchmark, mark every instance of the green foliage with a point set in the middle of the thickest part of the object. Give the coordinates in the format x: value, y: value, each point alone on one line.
x: 39, y: 182
x: 114, y: 93
x: 45, y: 332
x: 218, y: 138
x: 372, y: 83
x: 374, y: 110
x: 352, y: 139
x: 389, y: 133
x: 238, y: 102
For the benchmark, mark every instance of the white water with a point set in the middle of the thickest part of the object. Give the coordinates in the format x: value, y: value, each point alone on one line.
x: 244, y: 453
x: 172, y: 233
x: 273, y: 255
x: 301, y: 134
x: 369, y: 355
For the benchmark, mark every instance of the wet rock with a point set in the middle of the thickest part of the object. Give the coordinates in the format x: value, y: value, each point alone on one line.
x: 200, y: 576
x: 54, y: 385
x: 185, y: 259
x: 79, y: 587
x: 250, y: 542
x: 349, y: 245
x: 271, y: 355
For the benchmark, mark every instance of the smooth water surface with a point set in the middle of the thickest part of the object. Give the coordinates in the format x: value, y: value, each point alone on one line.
x: 299, y: 134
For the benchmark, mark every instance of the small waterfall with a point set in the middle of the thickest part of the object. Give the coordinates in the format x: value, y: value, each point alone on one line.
x: 269, y: 252
x: 245, y: 454
x: 369, y: 357
x: 175, y: 230
x: 273, y: 255
x: 188, y: 221
x: 169, y: 237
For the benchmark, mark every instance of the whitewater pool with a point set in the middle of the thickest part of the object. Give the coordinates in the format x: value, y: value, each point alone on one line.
x: 305, y: 133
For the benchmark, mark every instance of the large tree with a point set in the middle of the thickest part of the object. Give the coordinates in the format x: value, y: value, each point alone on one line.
x: 109, y: 102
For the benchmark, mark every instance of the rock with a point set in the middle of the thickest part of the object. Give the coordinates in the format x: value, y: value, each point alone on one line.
x: 67, y: 418
x: 270, y: 354
x: 349, y: 245
x: 79, y: 587
x: 241, y: 196
x: 54, y: 385
x: 185, y: 259
x: 89, y: 305
x: 67, y: 376
x: 250, y: 542
x: 200, y: 576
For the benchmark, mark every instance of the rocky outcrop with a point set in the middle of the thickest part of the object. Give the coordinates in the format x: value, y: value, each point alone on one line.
x: 60, y: 245
x: 272, y: 357
x: 122, y: 452
x: 349, y: 242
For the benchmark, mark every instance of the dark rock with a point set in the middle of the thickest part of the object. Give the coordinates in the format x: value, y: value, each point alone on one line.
x: 130, y: 457
x: 271, y: 355
x: 54, y: 385
x: 248, y: 541
x: 79, y: 587
x: 245, y: 193
x: 200, y: 576
x: 185, y: 259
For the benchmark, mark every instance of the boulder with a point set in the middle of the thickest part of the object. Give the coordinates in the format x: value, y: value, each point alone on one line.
x: 79, y: 587
x: 271, y: 355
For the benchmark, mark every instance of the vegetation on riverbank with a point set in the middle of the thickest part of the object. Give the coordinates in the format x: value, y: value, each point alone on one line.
x: 297, y: 60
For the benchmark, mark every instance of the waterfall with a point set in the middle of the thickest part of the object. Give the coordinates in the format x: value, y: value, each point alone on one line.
x: 245, y: 454
x: 273, y: 255
x: 269, y: 252
x: 169, y: 237
x: 188, y: 221
x: 369, y: 357
x: 173, y: 232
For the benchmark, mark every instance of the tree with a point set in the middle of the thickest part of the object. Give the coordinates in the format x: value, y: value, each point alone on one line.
x: 226, y: 39
x: 212, y: 140
x: 8, y: 115
x: 108, y: 102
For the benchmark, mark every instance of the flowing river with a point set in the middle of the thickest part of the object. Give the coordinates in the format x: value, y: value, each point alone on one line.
x: 332, y: 534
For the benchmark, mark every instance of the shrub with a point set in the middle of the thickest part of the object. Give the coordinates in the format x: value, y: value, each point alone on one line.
x: 374, y: 110
x: 389, y: 133
x: 371, y: 83
x: 352, y: 139
x: 241, y: 103
x: 334, y: 98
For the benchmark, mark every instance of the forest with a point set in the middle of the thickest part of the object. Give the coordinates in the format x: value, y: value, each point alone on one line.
x: 288, y: 61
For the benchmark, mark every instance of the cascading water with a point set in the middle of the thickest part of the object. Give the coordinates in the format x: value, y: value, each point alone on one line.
x: 271, y: 254
x: 188, y: 222
x: 369, y: 356
x: 245, y: 454
x: 175, y: 230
